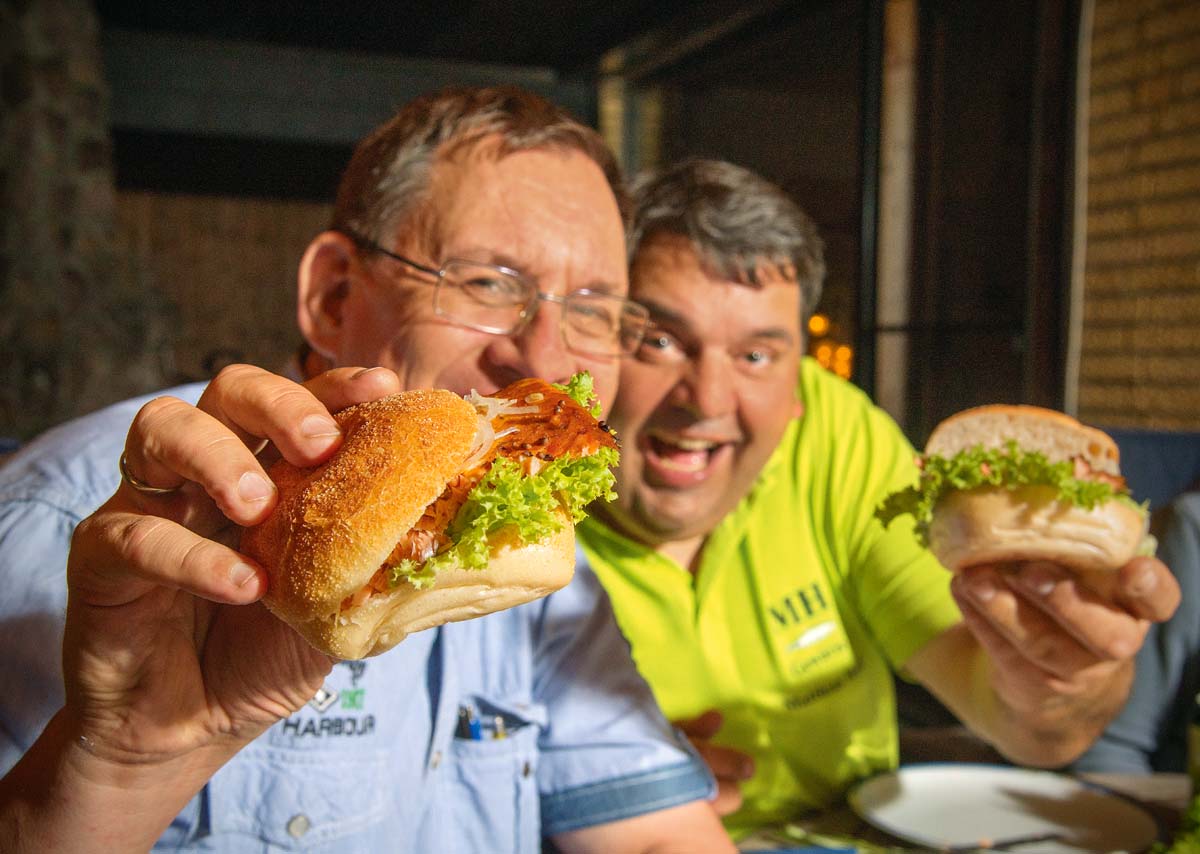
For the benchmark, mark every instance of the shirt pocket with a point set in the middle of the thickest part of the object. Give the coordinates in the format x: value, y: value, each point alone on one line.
x: 298, y: 799
x: 487, y: 793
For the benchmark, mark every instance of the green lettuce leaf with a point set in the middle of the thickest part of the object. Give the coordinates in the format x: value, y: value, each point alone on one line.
x: 506, y: 497
x: 1009, y: 467
x: 579, y: 389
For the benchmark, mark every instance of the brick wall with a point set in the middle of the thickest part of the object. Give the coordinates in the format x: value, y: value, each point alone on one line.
x: 105, y: 295
x: 73, y: 330
x: 227, y: 266
x: 1140, y: 354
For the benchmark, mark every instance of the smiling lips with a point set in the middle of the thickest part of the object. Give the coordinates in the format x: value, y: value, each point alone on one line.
x: 674, y: 460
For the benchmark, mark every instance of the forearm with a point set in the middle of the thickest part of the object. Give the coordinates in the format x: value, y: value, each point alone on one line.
x: 63, y: 796
x: 690, y: 828
x: 1055, y: 727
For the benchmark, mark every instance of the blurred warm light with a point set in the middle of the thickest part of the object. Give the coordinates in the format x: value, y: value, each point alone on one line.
x: 829, y: 353
x: 843, y: 357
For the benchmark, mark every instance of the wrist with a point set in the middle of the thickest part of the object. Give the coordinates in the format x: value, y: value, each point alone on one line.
x: 1051, y: 725
x: 64, y: 792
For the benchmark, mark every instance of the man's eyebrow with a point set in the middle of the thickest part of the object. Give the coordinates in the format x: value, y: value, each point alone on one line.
x: 662, y: 315
x: 659, y: 313
x: 775, y: 333
x: 483, y: 255
x: 605, y: 288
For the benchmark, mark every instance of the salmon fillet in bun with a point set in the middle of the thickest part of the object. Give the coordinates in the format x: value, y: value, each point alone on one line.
x: 1000, y: 484
x: 435, y: 508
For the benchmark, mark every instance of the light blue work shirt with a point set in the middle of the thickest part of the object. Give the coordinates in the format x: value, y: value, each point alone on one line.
x: 373, y: 763
x: 1151, y: 732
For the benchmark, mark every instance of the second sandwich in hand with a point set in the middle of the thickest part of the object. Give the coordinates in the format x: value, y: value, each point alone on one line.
x: 435, y: 508
x: 1021, y: 483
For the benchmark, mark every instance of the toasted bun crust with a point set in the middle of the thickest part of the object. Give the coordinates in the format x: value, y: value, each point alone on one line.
x: 992, y: 524
x: 335, y: 524
x: 516, y: 573
x: 1058, y: 436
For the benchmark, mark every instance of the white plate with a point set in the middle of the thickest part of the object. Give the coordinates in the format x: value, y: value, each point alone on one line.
x: 961, y: 804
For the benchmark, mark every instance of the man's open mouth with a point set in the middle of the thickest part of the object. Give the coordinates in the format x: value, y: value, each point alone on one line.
x: 685, y: 457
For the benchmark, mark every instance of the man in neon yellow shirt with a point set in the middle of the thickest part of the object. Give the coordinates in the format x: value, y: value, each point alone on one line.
x: 743, y: 558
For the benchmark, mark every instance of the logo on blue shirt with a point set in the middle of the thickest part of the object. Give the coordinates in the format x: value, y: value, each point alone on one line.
x: 351, y: 699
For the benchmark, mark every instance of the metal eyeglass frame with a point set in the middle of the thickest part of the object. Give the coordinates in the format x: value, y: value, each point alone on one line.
x: 528, y: 306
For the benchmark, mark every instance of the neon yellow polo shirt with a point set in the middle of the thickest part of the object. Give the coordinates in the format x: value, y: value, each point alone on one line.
x: 802, y: 606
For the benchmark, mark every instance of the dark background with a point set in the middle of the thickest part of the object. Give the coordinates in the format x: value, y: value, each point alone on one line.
x: 790, y: 89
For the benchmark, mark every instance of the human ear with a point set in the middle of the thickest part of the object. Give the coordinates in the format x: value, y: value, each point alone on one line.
x: 324, y: 281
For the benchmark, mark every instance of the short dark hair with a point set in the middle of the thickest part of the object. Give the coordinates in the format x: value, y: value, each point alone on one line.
x: 388, y: 177
x: 735, y: 219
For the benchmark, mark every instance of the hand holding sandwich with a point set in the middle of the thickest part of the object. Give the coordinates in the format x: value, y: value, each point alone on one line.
x: 164, y: 680
x: 400, y: 512
x: 1028, y: 510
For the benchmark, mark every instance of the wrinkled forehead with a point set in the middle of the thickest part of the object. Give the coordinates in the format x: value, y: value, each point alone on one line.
x: 423, y: 217
x: 742, y: 267
x: 541, y: 210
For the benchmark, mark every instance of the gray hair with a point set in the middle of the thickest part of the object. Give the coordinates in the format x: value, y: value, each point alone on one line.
x: 735, y: 219
x: 388, y: 178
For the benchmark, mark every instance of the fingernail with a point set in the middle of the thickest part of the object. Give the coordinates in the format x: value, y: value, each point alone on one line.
x: 366, y: 371
x: 253, y: 487
x: 319, y: 427
x: 982, y: 589
x: 1039, y: 582
x: 1145, y: 583
x: 241, y: 573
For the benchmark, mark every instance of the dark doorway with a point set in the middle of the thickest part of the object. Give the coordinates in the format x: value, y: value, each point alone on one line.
x: 995, y: 130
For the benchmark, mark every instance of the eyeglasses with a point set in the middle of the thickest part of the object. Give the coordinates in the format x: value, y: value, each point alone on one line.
x: 501, y: 301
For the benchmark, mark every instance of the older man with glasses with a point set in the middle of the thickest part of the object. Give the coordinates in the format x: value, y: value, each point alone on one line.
x: 477, y: 238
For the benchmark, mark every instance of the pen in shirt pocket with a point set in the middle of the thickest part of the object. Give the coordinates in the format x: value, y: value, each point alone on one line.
x: 468, y: 725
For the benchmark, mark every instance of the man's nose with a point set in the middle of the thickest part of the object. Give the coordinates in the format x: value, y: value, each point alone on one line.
x: 541, y: 344
x: 708, y: 387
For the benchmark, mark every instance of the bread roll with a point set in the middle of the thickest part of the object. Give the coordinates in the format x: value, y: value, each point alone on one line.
x: 336, y: 524
x: 1010, y: 522
x: 1021, y: 483
x: 1058, y: 436
x: 516, y: 573
x: 992, y: 524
